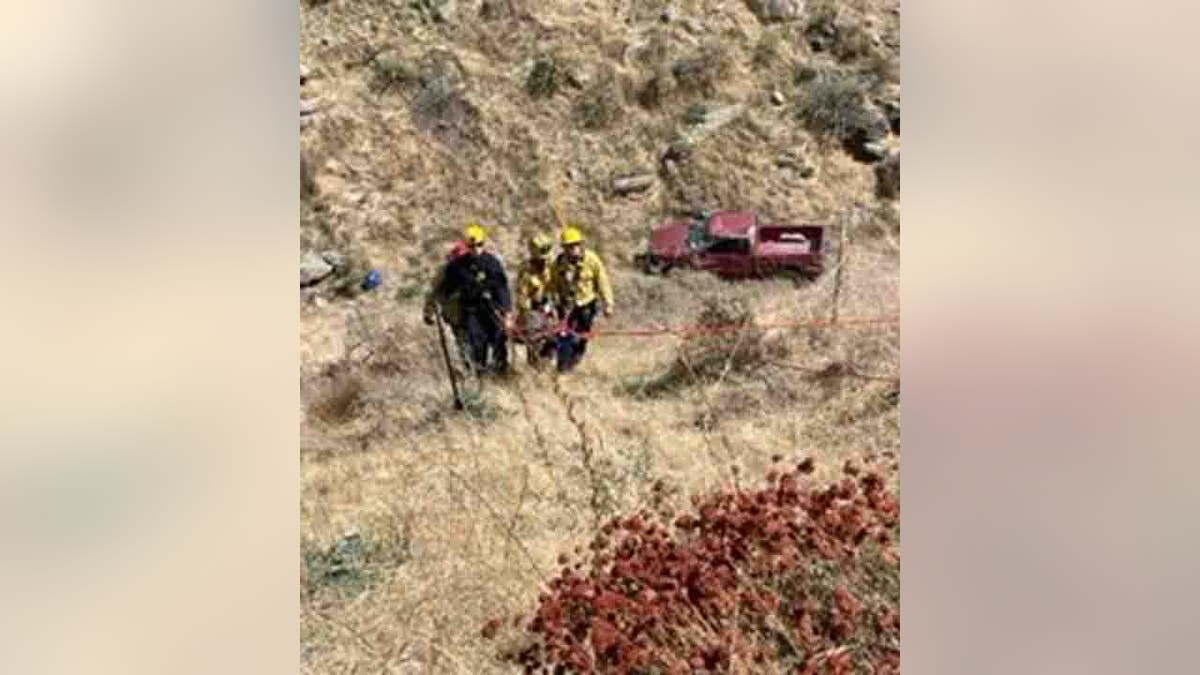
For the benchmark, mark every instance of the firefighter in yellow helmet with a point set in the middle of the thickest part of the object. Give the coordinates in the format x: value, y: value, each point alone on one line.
x: 535, y: 306
x: 581, y: 288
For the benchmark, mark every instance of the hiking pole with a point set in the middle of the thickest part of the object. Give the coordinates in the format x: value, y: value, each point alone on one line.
x: 458, y: 403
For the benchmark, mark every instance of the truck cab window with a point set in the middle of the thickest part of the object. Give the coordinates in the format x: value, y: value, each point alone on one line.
x: 730, y: 246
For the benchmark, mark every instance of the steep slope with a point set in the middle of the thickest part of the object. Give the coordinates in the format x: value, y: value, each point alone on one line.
x: 433, y: 113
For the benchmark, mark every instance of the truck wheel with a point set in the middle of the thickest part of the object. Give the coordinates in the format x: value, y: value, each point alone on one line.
x: 797, y: 276
x: 652, y: 264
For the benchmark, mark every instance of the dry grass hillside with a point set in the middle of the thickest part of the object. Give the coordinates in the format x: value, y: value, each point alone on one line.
x: 420, y: 524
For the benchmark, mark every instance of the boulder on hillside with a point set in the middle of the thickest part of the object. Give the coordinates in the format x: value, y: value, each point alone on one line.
x: 822, y: 33
x: 708, y: 119
x: 624, y: 185
x: 888, y: 100
x: 338, y: 260
x: 775, y: 10
x: 313, y: 269
x: 891, y: 108
x: 672, y: 156
x: 866, y: 138
x: 887, y: 176
x: 333, y: 274
x: 490, y: 10
x: 442, y: 11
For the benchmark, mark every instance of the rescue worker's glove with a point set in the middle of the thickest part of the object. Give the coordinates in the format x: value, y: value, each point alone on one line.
x: 608, y: 310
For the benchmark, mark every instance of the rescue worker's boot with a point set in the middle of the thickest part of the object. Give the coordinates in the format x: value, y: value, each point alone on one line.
x: 579, y: 325
x: 500, y: 361
x: 498, y: 348
x: 477, y: 344
x: 538, y: 333
x: 545, y: 350
x: 567, y: 348
x: 563, y: 351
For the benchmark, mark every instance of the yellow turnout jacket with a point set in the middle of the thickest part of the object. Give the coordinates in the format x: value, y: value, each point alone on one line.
x: 533, y: 285
x: 577, y: 284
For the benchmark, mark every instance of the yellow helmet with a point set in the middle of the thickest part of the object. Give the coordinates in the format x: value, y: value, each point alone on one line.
x: 572, y: 235
x: 540, y: 245
x: 474, y: 233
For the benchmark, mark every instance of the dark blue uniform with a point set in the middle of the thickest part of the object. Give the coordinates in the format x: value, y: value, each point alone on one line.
x: 481, y: 286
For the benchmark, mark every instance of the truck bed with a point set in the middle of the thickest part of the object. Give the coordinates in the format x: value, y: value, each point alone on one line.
x: 789, y: 240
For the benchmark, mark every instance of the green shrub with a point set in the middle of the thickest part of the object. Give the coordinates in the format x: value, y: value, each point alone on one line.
x: 853, y: 42
x: 703, y: 72
x: 723, y: 341
x: 341, y: 398
x: 544, y: 78
x: 353, y: 563
x: 834, y: 105
x: 767, y: 49
x: 602, y: 103
x: 390, y: 75
x: 657, y: 87
x: 881, y: 68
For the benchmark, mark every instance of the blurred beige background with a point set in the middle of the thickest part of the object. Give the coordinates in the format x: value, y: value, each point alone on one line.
x: 148, y: 184
x: 147, y: 444
x: 1049, y: 338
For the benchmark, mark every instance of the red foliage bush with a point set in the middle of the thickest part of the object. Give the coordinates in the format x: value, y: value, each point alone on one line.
x: 795, y: 576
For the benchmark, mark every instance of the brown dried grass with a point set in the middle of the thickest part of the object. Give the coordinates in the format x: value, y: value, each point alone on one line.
x: 483, y: 504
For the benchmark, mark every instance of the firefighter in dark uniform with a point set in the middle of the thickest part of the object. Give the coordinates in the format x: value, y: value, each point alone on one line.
x: 447, y: 306
x: 479, y: 283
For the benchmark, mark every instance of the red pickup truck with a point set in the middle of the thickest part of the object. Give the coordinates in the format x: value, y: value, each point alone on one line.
x: 736, y: 244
